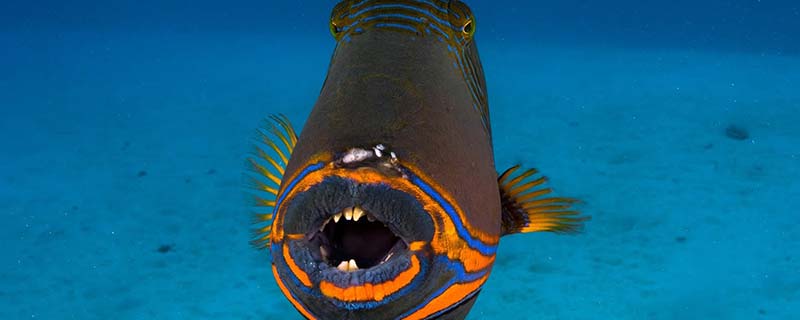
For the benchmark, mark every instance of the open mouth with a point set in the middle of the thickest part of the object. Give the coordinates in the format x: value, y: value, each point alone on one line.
x: 354, y: 232
x: 355, y: 239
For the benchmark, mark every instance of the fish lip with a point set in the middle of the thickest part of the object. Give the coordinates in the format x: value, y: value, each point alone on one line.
x: 400, y: 212
x: 319, y: 271
x: 309, y: 211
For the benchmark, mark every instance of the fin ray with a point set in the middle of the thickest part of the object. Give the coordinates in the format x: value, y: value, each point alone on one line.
x: 526, y: 209
x: 522, y: 176
x: 514, y: 192
x: 277, y: 139
x: 287, y: 126
x: 263, y: 155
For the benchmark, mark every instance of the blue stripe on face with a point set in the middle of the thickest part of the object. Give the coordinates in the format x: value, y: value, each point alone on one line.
x: 474, y: 88
x: 275, y: 247
x: 419, y: 20
x: 360, y: 305
x: 461, y: 276
x: 483, y: 119
x: 412, y: 20
x: 303, y: 174
x: 424, y: 12
x: 422, y: 19
x: 435, y: 5
x: 433, y: 17
x: 297, y: 284
x: 428, y: 2
x: 391, y: 15
x: 463, y: 233
x: 462, y: 63
x: 423, y: 267
x: 445, y: 310
x: 459, y: 273
x: 435, y: 27
x: 396, y: 25
x: 295, y: 280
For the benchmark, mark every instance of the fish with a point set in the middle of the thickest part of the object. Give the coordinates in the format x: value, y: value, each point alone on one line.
x: 387, y: 204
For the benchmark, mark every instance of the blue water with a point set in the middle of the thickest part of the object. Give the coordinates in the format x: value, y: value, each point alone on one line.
x: 124, y: 127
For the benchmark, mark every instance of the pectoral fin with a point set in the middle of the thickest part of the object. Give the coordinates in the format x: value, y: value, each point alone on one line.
x: 527, y: 209
x: 276, y: 140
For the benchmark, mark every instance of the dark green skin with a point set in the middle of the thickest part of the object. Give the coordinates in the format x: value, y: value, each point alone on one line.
x: 384, y: 87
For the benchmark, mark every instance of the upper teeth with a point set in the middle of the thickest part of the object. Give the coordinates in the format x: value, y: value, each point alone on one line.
x: 357, y: 213
x: 351, y: 213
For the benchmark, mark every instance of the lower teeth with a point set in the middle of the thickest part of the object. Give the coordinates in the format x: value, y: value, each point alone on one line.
x: 348, y: 266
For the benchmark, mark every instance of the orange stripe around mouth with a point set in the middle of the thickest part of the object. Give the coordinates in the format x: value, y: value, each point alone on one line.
x: 448, y: 298
x: 446, y: 240
x: 277, y: 222
x: 289, y: 296
x: 301, y: 275
x: 480, y: 235
x: 416, y: 246
x: 369, y: 291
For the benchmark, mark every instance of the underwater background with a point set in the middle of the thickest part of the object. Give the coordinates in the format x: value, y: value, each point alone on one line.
x: 124, y: 126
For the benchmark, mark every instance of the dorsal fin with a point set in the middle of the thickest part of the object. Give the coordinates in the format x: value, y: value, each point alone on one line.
x: 276, y: 140
x: 526, y: 209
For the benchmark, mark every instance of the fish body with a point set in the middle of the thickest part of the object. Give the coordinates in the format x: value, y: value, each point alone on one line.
x: 388, y: 205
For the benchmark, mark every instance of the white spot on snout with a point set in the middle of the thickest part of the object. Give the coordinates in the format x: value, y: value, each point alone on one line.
x: 356, y: 155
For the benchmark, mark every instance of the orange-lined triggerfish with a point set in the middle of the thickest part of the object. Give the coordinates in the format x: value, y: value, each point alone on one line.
x: 388, y: 204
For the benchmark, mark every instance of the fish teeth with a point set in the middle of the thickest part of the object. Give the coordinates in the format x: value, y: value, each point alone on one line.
x: 352, y: 265
x: 348, y: 266
x: 388, y: 256
x: 323, y: 251
x: 357, y: 213
x: 352, y: 214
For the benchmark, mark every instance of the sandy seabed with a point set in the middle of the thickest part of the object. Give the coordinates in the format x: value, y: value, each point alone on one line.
x: 121, y: 183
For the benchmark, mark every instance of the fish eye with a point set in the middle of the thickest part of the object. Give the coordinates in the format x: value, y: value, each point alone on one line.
x: 335, y: 30
x: 469, y: 28
x: 462, y: 19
